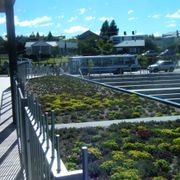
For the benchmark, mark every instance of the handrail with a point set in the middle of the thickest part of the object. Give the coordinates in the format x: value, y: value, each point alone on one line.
x: 80, y: 72
x: 40, y: 159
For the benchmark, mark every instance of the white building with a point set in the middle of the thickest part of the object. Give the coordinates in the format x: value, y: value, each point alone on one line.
x: 128, y: 44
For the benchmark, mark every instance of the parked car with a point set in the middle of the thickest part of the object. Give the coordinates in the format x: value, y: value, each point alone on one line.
x: 167, y: 52
x: 162, y: 65
x: 150, y: 53
x: 24, y: 60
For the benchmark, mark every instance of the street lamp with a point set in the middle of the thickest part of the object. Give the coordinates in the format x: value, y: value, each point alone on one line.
x: 6, y: 6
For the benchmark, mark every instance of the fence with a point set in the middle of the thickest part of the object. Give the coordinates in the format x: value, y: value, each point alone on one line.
x: 39, y: 145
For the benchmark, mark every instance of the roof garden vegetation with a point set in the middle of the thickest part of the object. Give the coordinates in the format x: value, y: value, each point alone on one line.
x: 129, y: 151
x: 75, y: 100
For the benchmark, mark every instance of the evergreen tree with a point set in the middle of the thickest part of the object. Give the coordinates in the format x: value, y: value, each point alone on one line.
x: 104, y: 34
x: 37, y: 35
x: 113, y: 30
x: 108, y: 30
x: 50, y: 36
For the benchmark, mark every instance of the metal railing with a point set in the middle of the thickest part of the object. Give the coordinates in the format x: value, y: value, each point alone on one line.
x: 40, y: 150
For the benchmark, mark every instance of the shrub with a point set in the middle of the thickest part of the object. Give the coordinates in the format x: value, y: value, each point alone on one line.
x: 133, y: 146
x: 139, y: 154
x: 175, y: 149
x: 150, y: 148
x: 176, y: 141
x: 161, y: 165
x: 94, y: 169
x: 167, y: 132
x: 111, y: 144
x: 159, y: 178
x: 71, y: 166
x: 118, y: 155
x: 126, y: 175
x: 136, y: 114
x: 163, y: 146
x: 94, y: 153
x: 144, y: 134
x: 145, y: 168
x: 177, y: 130
x: 128, y: 163
x: 158, y: 114
x: 107, y: 166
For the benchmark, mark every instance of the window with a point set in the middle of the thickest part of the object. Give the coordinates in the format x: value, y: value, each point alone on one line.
x: 118, y: 61
x: 107, y: 61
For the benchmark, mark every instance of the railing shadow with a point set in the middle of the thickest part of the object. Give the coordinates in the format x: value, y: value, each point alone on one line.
x: 8, y: 140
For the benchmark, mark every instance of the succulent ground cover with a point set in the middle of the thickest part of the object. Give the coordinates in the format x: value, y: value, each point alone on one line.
x: 129, y: 151
x: 75, y: 100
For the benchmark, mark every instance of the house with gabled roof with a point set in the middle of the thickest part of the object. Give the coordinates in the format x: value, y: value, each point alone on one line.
x: 40, y: 47
x: 48, y: 48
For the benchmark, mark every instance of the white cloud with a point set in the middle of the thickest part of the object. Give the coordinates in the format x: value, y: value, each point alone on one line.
x: 130, y: 11
x: 45, y: 25
x: 155, y: 16
x: 89, y: 18
x: 2, y: 20
x: 157, y: 34
x: 175, y: 15
x: 106, y: 18
x: 172, y: 25
x: 40, y: 21
x: 131, y: 18
x: 75, y: 29
x: 73, y: 18
x: 82, y: 11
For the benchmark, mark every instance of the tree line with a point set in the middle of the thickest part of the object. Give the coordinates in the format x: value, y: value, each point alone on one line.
x: 93, y: 45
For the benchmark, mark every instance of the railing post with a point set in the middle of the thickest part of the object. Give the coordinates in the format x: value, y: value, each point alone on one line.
x: 25, y: 136
x: 52, y: 132
x: 85, y: 162
x: 47, y: 130
x: 58, y: 153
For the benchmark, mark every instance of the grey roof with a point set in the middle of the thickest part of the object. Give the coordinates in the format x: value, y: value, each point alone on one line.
x: 29, y: 44
x: 41, y: 43
x: 130, y: 43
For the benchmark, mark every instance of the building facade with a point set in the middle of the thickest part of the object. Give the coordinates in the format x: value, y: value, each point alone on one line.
x: 50, y: 48
x: 128, y: 43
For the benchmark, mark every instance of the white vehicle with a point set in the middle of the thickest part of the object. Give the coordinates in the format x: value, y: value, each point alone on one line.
x: 26, y: 63
x: 162, y: 65
x: 24, y: 60
x: 117, y: 64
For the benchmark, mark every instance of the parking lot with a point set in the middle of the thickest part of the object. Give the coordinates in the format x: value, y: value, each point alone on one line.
x: 161, y: 85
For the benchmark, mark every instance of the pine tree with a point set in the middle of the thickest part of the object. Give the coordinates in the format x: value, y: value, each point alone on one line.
x: 104, y: 31
x: 113, y: 30
x: 50, y: 36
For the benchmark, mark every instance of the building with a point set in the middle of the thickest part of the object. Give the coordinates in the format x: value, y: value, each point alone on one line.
x: 40, y: 48
x: 67, y: 47
x: 128, y: 43
x: 167, y: 39
x: 87, y: 35
x: 49, y: 48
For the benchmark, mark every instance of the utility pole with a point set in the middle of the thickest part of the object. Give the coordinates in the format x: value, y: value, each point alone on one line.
x: 7, y: 7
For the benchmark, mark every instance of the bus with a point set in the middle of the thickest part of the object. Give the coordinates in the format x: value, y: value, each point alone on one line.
x: 116, y: 64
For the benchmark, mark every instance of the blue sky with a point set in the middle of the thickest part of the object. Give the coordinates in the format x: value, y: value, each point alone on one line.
x: 73, y: 17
